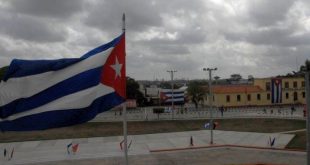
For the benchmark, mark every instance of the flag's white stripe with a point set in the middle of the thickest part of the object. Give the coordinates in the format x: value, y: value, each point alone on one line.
x: 77, y: 100
x: 24, y: 87
x: 275, y: 93
x: 174, y: 91
x: 179, y: 99
x: 279, y: 93
x: 175, y: 95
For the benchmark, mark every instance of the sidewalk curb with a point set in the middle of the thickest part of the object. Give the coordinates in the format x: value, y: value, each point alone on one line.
x: 227, y: 145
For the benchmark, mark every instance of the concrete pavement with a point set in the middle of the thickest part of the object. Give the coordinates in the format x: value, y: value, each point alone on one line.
x: 106, y: 147
x: 209, y: 156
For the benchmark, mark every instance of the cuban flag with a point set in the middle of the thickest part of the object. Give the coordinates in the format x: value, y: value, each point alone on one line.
x: 42, y: 94
x: 276, y: 91
x: 166, y: 96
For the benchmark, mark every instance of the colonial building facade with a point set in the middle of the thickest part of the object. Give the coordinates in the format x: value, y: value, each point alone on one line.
x: 262, y: 92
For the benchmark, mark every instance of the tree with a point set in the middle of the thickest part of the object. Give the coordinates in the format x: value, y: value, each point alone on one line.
x: 216, y: 78
x: 2, y: 72
x: 235, y: 77
x: 196, y: 92
x: 158, y: 111
x: 133, y: 92
x: 305, y: 67
x: 167, y: 85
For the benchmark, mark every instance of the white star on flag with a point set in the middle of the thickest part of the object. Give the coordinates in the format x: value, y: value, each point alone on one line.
x: 117, y: 68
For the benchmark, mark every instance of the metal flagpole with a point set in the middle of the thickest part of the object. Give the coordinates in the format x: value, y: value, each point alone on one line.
x: 172, y: 94
x: 308, y: 114
x: 124, y: 110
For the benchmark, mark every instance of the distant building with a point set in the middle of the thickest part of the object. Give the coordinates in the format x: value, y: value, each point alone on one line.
x: 262, y: 92
x: 158, y: 96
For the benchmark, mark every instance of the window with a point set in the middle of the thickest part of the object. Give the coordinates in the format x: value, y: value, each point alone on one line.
x: 295, y: 96
x: 286, y: 85
x: 287, y: 95
x: 268, y: 96
x: 303, y: 84
x: 268, y: 86
x: 238, y: 98
x: 295, y: 84
x: 303, y: 94
x: 249, y: 97
x: 258, y: 96
x: 227, y: 98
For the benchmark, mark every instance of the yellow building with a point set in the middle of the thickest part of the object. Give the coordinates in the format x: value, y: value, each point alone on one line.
x: 263, y: 92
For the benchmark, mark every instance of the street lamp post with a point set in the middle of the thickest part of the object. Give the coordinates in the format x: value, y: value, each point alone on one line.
x: 172, y: 97
x: 210, y: 100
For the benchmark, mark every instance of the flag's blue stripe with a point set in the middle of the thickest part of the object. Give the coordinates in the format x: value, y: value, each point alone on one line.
x: 175, y: 97
x: 176, y: 102
x: 280, y: 92
x: 61, y: 118
x: 173, y: 93
x: 21, y: 68
x: 103, y: 47
x: 272, y: 91
x: 71, y: 85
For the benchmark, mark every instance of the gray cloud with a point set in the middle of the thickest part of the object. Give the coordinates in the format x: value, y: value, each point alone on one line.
x: 271, y: 36
x: 170, y: 49
x: 261, y: 38
x: 31, y: 29
x: 106, y: 15
x: 46, y: 8
x: 267, y: 13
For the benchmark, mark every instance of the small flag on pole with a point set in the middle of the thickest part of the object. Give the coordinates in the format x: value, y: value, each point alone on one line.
x: 4, y: 152
x: 69, y: 148
x: 75, y: 148
x: 12, y: 153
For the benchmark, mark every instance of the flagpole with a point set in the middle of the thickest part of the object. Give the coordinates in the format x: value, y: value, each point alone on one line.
x: 124, y: 108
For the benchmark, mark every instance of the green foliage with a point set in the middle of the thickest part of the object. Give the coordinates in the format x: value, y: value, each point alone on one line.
x: 305, y: 67
x: 165, y: 85
x: 133, y: 92
x: 2, y: 72
x: 196, y: 92
x: 158, y: 110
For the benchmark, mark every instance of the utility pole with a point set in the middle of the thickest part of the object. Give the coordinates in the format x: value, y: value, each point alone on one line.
x: 172, y: 86
x: 210, y: 100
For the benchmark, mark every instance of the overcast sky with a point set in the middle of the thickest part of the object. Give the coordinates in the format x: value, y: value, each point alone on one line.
x: 251, y: 37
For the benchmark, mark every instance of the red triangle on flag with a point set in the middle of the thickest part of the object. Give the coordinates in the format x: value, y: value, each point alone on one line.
x: 114, y: 70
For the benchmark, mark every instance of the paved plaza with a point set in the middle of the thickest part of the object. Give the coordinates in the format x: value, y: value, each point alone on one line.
x: 168, y: 148
x: 212, y: 156
x: 149, y: 147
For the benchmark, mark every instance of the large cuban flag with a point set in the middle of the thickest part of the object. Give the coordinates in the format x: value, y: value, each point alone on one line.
x: 42, y: 94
